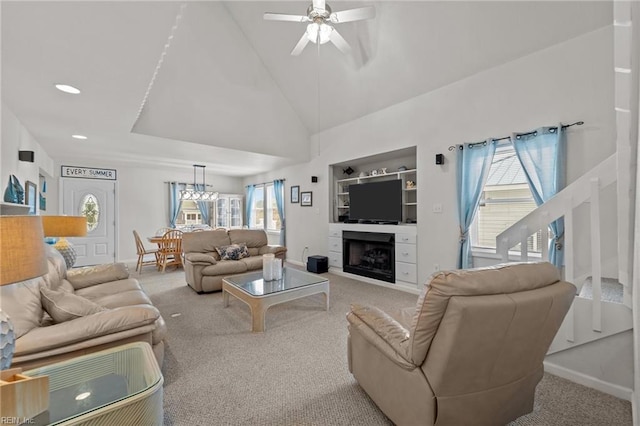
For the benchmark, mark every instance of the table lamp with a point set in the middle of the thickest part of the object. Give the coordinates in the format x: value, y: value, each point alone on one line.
x: 23, y: 257
x: 65, y: 226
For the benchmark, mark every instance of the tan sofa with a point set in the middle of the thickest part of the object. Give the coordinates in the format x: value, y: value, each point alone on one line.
x: 94, y: 308
x: 202, y: 264
x: 471, y: 352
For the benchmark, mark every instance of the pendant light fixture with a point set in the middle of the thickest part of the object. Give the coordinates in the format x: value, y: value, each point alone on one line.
x: 196, y: 195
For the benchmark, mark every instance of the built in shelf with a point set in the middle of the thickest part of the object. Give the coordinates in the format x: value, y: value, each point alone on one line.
x: 359, y: 178
x: 9, y: 209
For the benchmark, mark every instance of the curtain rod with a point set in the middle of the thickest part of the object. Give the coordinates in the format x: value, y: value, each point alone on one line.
x: 264, y: 183
x: 577, y: 123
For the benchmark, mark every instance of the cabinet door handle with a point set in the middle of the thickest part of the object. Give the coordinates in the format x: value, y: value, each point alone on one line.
x: 405, y: 254
x: 405, y: 273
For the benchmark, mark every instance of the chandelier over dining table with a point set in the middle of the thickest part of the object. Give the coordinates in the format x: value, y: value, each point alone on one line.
x: 195, y: 194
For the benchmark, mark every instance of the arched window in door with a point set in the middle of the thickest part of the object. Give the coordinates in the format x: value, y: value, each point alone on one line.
x: 90, y: 209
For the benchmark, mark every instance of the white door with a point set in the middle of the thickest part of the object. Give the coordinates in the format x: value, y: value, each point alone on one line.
x: 94, y: 199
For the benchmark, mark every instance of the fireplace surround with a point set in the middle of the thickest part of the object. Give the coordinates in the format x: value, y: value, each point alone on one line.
x: 369, y: 254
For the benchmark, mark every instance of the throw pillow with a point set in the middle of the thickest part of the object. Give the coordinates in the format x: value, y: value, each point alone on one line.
x: 63, y: 306
x: 233, y: 251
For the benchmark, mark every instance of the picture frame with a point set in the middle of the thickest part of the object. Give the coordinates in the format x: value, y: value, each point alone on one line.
x: 295, y: 194
x: 306, y: 199
x: 31, y: 196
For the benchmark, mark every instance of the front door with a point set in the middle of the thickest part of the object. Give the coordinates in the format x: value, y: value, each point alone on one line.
x: 94, y: 199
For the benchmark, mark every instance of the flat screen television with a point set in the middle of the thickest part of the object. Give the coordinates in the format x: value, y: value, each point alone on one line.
x: 376, y: 201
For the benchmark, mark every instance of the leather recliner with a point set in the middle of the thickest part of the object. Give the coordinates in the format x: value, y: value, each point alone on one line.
x: 472, y: 351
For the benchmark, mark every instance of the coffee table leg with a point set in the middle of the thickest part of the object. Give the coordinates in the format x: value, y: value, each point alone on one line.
x: 257, y: 317
x: 225, y: 298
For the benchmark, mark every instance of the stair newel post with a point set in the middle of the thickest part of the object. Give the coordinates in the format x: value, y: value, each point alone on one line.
x: 544, y: 234
x: 596, y: 258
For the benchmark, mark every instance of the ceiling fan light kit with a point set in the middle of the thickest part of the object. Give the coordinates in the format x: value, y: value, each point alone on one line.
x: 319, y: 30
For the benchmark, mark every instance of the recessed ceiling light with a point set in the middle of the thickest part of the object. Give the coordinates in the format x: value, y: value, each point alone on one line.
x: 68, y: 89
x: 83, y: 137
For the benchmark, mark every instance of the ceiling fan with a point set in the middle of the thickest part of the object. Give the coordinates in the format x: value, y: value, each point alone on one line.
x: 320, y: 30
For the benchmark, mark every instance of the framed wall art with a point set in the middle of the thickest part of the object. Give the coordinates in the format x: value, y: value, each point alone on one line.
x: 306, y: 199
x: 295, y: 194
x: 31, y: 195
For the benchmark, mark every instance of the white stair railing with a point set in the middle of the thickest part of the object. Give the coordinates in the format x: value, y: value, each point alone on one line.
x: 586, y: 189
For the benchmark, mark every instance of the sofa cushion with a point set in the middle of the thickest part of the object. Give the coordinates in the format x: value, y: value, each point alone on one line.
x: 200, y: 258
x: 125, y: 298
x: 251, y: 237
x: 233, y: 251
x: 57, y: 267
x: 100, y: 290
x: 91, y: 275
x: 252, y: 262
x: 225, y: 267
x: 204, y: 241
x: 21, y: 302
x: 63, y: 306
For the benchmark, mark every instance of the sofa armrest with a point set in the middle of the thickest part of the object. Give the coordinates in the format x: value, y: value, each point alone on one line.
x: 200, y: 259
x: 85, y: 328
x: 383, y: 332
x: 92, y: 275
x: 272, y: 249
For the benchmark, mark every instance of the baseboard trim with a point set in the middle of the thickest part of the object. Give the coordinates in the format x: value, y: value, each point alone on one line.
x: 589, y: 381
x: 296, y: 262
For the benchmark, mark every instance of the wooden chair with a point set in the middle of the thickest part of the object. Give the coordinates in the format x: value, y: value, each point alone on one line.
x: 170, y: 249
x: 162, y: 231
x: 142, y: 252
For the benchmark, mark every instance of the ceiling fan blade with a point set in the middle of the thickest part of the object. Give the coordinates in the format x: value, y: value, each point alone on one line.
x: 353, y: 15
x: 300, y: 46
x: 268, y: 16
x: 319, y: 4
x: 340, y: 42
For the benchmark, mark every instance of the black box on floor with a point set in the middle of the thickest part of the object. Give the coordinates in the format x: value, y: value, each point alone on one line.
x: 317, y: 264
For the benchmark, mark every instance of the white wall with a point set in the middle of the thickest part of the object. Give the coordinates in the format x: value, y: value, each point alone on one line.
x: 15, y: 137
x: 565, y: 83
x: 143, y: 199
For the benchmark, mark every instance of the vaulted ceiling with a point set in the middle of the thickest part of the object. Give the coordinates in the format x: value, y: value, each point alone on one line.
x: 173, y: 83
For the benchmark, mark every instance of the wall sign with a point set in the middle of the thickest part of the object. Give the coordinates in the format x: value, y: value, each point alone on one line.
x: 88, y: 173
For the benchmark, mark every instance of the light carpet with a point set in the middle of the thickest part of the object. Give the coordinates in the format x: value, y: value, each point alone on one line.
x: 219, y: 373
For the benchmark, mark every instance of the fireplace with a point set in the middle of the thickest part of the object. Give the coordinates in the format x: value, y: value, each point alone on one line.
x: 369, y: 254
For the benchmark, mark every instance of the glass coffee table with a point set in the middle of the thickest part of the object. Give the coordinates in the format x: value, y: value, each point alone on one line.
x: 117, y: 386
x: 259, y: 294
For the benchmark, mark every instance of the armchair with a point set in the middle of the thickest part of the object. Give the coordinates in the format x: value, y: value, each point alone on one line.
x: 472, y: 352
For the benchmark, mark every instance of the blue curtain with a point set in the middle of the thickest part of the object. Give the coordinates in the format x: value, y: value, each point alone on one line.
x: 249, y: 206
x: 174, y: 203
x: 543, y: 158
x: 473, y: 163
x: 203, y: 206
x: 278, y: 190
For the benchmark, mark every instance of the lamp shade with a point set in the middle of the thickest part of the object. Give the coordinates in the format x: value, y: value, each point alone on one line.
x: 22, y: 250
x: 64, y: 226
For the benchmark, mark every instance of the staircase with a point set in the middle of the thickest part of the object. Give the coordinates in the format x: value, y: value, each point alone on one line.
x: 592, y: 316
x: 604, y: 303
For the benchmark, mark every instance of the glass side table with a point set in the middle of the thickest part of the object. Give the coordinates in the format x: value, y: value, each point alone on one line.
x: 117, y: 386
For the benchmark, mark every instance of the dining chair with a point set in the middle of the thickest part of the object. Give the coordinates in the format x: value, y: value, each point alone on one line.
x: 142, y: 252
x: 170, y: 249
x: 162, y: 231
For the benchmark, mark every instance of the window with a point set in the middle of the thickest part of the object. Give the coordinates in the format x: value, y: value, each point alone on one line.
x: 189, y: 214
x: 265, y: 209
x: 506, y: 198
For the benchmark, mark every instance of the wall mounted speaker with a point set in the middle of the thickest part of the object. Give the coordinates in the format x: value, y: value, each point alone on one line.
x: 28, y: 156
x: 439, y: 158
x: 314, y: 179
